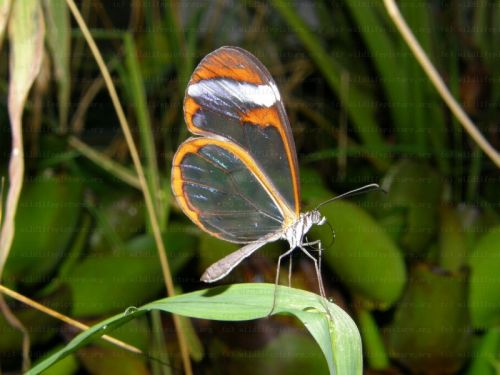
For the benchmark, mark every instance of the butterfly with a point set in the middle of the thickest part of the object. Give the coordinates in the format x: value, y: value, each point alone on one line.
x: 238, y: 179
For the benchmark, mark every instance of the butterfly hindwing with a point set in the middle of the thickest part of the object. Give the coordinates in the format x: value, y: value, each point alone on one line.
x: 217, y: 186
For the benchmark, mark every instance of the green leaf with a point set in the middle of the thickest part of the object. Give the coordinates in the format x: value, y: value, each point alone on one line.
x: 131, y: 276
x: 431, y: 329
x: 375, y: 351
x: 118, y: 218
x: 363, y: 255
x: 334, y: 331
x: 414, y: 195
x: 484, y: 264
x: 46, y: 221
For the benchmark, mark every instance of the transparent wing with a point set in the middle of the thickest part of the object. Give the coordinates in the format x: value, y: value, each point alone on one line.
x: 219, y: 187
x: 232, y: 95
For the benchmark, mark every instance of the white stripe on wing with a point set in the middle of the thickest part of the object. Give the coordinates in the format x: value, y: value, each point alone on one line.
x: 225, y: 91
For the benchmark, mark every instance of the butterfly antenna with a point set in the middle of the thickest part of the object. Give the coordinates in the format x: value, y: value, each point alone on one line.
x: 361, y: 190
x: 333, y: 236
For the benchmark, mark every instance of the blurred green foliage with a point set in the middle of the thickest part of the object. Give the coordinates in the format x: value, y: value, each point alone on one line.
x: 418, y: 266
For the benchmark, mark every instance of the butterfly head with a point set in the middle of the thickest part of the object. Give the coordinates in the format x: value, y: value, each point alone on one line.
x: 315, y: 217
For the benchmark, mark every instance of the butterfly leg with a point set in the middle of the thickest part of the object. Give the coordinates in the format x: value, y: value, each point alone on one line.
x: 320, y: 253
x: 290, y: 271
x: 317, y: 265
x: 313, y: 243
x: 288, y: 252
x: 319, y: 249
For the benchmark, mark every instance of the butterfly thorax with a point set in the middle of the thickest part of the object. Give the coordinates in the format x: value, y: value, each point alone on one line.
x: 296, y: 231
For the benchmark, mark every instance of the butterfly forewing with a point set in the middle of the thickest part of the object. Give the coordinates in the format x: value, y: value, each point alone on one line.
x: 232, y: 95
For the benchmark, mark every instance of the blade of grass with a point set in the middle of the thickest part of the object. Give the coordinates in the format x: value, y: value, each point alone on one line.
x: 433, y: 121
x: 104, y: 226
x: 487, y: 39
x: 342, y: 133
x: 417, y: 122
x: 494, y: 42
x: 359, y: 106
x: 350, y: 148
x: 457, y: 131
x: 78, y: 45
x: 190, y: 45
x: 161, y: 60
x: 176, y: 41
x: 331, y: 327
x: 109, y: 165
x: 407, y: 94
x: 375, y: 350
x: 63, y: 318
x: 138, y: 97
x: 59, y: 40
x: 74, y: 255
x: 188, y: 65
x: 485, y: 358
x: 473, y: 178
x: 438, y: 83
x: 181, y: 57
x: 379, y: 43
x: 438, y: 134
x: 481, y: 10
x: 140, y: 173
x: 26, y: 35
x: 77, y: 122
x: 184, y: 71
x: 159, y: 349
x: 354, y: 150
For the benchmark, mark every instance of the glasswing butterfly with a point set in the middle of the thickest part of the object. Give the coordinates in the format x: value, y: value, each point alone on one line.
x: 238, y: 179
